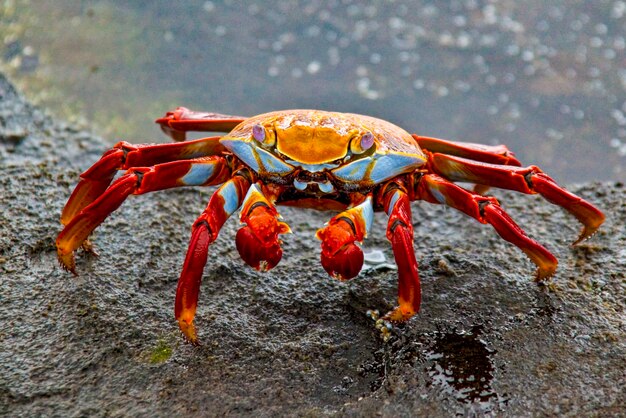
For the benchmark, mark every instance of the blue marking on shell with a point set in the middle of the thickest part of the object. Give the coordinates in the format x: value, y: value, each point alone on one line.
x: 354, y: 171
x: 198, y: 174
x: 242, y: 150
x: 255, y: 157
x: 388, y: 166
x: 231, y: 199
x: 273, y: 164
x: 385, y: 167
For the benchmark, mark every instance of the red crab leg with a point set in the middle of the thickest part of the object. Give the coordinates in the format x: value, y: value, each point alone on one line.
x: 495, y: 154
x: 123, y: 156
x: 529, y: 180
x: 258, y: 242
x: 435, y: 189
x: 341, y: 257
x: 205, y: 230
x: 175, y: 123
x: 400, y: 234
x: 199, y: 172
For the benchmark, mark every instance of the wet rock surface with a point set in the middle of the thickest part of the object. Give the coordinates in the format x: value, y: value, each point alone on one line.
x: 293, y: 341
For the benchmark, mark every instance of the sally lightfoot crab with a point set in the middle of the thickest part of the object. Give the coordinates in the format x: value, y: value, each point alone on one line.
x: 347, y: 163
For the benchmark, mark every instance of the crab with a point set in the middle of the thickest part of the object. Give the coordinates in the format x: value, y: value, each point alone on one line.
x: 348, y: 163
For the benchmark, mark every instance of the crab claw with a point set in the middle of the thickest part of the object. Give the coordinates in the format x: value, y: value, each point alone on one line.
x: 262, y: 256
x: 257, y: 241
x: 341, y: 257
x: 345, y: 263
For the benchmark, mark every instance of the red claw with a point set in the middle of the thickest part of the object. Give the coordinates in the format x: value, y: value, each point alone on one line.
x: 262, y: 256
x: 257, y: 242
x: 341, y: 258
x: 345, y: 263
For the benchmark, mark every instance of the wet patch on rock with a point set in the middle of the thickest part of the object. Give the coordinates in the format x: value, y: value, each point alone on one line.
x: 463, y: 366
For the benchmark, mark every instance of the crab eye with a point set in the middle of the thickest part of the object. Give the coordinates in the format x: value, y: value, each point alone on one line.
x: 363, y: 143
x: 258, y: 132
x: 367, y: 141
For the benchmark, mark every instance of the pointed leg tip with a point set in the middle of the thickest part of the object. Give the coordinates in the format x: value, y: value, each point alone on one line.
x: 545, y: 273
x: 400, y: 314
x: 481, y: 189
x: 587, y: 232
x: 189, y: 331
x: 67, y: 261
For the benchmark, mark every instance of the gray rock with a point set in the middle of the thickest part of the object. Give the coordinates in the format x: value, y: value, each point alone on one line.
x: 293, y: 341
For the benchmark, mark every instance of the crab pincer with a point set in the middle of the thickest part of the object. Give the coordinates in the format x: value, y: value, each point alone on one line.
x: 257, y: 241
x: 341, y: 257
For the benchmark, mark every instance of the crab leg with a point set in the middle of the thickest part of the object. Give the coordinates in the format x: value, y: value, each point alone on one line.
x: 528, y: 180
x: 205, y: 230
x: 199, y: 172
x: 400, y: 234
x: 435, y: 189
x: 123, y: 156
x: 341, y: 257
x: 177, y: 122
x: 257, y: 241
x: 494, y: 154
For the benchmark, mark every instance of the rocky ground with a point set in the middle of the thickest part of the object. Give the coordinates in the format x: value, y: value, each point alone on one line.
x: 293, y: 341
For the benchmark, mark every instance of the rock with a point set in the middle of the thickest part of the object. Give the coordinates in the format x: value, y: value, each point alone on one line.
x: 293, y: 341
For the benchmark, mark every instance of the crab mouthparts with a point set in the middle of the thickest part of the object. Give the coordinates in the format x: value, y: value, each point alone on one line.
x: 325, y: 187
x: 320, y: 179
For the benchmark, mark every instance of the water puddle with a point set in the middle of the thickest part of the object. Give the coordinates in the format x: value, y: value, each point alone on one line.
x: 463, y: 368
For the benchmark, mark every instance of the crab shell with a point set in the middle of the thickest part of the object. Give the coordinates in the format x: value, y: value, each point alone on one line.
x: 324, y: 153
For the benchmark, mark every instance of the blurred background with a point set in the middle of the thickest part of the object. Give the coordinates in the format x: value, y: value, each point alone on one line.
x: 548, y: 79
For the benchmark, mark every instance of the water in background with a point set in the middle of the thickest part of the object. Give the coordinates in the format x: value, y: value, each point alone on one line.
x: 546, y: 78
